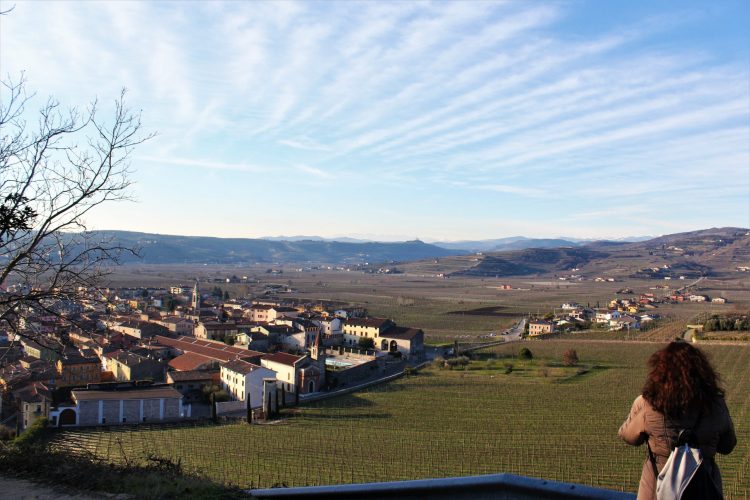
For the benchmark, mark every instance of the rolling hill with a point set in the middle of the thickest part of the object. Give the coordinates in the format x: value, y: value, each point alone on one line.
x: 709, y: 252
x: 170, y: 249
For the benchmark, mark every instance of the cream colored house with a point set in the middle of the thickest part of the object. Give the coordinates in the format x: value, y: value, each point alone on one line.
x: 356, y: 328
x: 286, y: 367
x: 540, y: 327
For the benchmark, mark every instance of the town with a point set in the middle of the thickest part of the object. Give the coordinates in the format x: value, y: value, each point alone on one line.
x: 153, y: 355
x: 149, y: 355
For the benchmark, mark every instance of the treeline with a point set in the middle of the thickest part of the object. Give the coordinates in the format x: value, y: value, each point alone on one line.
x: 727, y: 323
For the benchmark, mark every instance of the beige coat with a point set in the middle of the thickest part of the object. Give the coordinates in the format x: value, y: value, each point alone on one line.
x: 715, y: 434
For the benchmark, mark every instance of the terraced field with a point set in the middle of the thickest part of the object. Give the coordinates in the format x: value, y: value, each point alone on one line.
x: 446, y: 423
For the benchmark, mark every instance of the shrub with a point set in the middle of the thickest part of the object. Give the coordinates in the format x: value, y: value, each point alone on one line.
x: 508, y: 368
x: 219, y: 394
x: 525, y: 353
x: 570, y: 357
x: 33, y: 433
x: 459, y: 362
x: 6, y: 433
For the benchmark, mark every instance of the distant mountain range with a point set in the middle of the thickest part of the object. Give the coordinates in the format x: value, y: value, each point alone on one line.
x: 510, y: 243
x: 708, y: 252
x: 491, y: 245
x: 503, y: 257
x: 171, y: 249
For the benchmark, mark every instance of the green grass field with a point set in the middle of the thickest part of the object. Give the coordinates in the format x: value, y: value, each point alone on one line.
x: 441, y: 423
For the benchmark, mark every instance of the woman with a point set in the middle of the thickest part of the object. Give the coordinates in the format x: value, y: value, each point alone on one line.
x: 681, y: 391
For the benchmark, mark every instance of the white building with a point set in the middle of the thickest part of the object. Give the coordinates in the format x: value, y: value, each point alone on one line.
x: 243, y: 380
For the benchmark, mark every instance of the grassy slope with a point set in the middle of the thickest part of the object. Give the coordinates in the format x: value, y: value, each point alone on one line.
x: 443, y: 423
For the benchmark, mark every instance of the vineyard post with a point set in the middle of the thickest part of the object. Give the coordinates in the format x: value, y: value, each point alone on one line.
x: 212, y: 400
x: 249, y: 410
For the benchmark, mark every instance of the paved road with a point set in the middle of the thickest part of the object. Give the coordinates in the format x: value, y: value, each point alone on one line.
x: 516, y: 332
x: 691, y: 284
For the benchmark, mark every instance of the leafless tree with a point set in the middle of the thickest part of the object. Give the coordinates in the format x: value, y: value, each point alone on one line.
x: 52, y: 174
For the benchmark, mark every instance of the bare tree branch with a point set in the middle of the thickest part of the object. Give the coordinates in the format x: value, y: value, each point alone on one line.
x: 51, y: 177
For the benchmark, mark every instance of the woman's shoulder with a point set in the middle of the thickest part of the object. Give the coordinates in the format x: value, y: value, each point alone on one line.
x: 641, y: 403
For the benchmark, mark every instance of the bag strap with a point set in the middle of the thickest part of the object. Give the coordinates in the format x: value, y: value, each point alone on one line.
x: 652, y: 458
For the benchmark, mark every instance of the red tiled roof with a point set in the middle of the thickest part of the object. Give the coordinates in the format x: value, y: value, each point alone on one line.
x: 191, y: 375
x: 239, y: 366
x: 190, y: 361
x: 401, y: 332
x: 154, y: 392
x: 215, y: 350
x: 283, y: 358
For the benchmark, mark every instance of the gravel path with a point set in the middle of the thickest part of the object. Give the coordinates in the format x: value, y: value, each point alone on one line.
x: 27, y: 490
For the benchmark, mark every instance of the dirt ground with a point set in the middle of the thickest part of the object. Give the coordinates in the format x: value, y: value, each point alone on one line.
x: 27, y: 490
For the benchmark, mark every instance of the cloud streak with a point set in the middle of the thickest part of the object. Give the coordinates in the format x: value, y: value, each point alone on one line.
x: 464, y: 99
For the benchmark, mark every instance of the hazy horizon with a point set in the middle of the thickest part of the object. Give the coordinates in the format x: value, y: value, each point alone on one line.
x: 444, y: 121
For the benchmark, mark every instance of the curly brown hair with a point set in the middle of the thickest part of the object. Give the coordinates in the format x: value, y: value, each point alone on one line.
x: 681, y: 379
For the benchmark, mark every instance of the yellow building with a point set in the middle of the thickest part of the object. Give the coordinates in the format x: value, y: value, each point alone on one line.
x: 74, y: 368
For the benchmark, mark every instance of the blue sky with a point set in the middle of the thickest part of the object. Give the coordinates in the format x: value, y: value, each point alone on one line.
x: 395, y: 120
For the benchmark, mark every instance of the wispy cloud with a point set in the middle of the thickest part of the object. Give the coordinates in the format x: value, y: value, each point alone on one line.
x: 316, y: 172
x: 526, y: 99
x: 205, y: 164
x: 304, y: 143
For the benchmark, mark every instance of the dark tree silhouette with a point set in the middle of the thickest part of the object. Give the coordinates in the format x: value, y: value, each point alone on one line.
x: 52, y: 174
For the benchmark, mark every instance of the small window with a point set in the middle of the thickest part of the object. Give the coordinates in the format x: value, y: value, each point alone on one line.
x: 104, y: 420
x: 124, y: 420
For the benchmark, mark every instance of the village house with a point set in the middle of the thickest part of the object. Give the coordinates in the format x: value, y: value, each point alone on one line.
x: 305, y: 374
x: 606, y: 316
x: 41, y: 348
x: 540, y: 327
x: 77, y: 369
x: 216, y: 330
x: 386, y: 336
x: 137, y: 328
x: 253, y: 340
x: 278, y: 312
x: 111, y: 404
x: 128, y: 367
x: 625, y: 322
x: 407, y: 341
x: 244, y: 381
x: 286, y: 366
x: 275, y: 333
x: 331, y: 328
x: 356, y: 328
x: 34, y: 401
x: 190, y: 383
x: 259, y: 313
x: 177, y: 325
